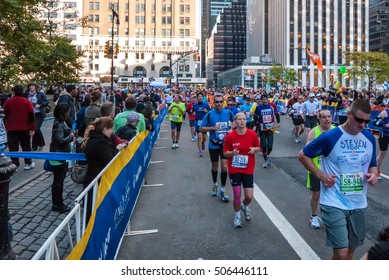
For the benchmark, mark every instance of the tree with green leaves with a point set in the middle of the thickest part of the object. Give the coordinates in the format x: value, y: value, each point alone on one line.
x: 27, y: 52
x: 371, y: 65
x: 281, y: 73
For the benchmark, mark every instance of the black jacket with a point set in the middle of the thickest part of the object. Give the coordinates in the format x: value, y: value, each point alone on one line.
x: 60, y: 137
x: 126, y: 132
x: 99, y: 151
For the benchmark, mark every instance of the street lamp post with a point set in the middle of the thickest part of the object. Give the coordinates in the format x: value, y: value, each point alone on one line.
x: 114, y: 15
x: 6, y: 171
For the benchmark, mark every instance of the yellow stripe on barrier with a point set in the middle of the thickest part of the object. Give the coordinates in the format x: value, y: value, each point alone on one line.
x: 107, y: 179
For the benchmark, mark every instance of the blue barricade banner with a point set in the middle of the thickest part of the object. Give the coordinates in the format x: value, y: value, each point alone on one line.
x: 49, y: 156
x: 117, y: 194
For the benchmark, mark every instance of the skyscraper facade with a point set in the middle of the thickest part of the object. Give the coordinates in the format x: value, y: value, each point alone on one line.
x: 288, y: 28
x: 379, y: 25
x: 226, y: 47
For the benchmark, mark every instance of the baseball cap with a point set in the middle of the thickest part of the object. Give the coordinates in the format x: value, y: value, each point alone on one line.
x: 248, y: 98
x: 318, y: 95
x: 133, y: 117
x: 311, y: 94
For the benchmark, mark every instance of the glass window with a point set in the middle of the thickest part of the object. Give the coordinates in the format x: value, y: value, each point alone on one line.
x: 97, y: 5
x: 97, y: 18
x: 91, y: 5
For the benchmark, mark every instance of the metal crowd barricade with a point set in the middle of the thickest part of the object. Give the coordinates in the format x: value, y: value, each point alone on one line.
x: 74, y: 230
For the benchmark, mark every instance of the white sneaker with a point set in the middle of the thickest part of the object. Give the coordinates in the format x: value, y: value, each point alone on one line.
x: 29, y: 166
x: 315, y: 222
x: 173, y: 145
x: 296, y: 140
x: 237, y: 222
x: 246, y: 212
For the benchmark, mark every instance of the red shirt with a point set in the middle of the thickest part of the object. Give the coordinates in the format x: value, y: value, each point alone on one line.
x: 189, y: 108
x: 243, y: 144
x: 19, y: 114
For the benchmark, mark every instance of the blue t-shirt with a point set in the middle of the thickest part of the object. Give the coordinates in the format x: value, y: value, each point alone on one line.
x: 199, y: 109
x: 246, y: 108
x: 349, y: 157
x: 222, y: 118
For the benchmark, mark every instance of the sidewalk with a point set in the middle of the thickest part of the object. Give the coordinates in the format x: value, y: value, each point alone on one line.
x: 31, y: 216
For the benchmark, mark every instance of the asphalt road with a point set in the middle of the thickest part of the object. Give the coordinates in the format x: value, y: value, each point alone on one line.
x: 191, y: 224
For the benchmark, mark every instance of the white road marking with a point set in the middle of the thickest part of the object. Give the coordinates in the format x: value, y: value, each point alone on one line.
x: 299, y: 245
x: 385, y: 176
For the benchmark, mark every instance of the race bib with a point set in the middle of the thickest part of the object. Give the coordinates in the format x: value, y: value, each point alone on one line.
x: 266, y: 119
x: 240, y: 161
x: 175, y: 117
x: 351, y: 183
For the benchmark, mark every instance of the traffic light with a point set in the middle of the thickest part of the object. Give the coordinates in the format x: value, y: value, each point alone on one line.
x: 332, y: 76
x: 116, y: 49
x: 107, y: 50
x: 198, y: 57
x: 195, y: 57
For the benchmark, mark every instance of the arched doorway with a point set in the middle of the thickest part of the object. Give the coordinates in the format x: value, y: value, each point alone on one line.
x: 164, y: 72
x: 139, y: 71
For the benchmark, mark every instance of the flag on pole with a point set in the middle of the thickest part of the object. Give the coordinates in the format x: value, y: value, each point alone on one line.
x: 315, y: 58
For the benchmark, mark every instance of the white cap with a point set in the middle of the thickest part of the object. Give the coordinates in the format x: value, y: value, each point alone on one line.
x: 311, y: 94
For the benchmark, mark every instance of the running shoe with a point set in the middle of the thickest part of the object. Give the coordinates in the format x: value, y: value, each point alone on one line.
x: 299, y: 138
x: 237, y: 222
x: 296, y: 140
x: 177, y: 146
x: 224, y: 197
x: 193, y: 138
x: 265, y: 164
x: 269, y: 161
x: 379, y: 176
x: 203, y: 146
x: 246, y: 212
x: 214, y: 191
x: 201, y: 154
x: 315, y: 222
x: 174, y: 146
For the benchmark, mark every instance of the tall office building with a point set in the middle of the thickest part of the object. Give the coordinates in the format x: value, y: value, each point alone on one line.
x: 226, y: 47
x: 379, y: 25
x: 150, y: 35
x: 286, y: 29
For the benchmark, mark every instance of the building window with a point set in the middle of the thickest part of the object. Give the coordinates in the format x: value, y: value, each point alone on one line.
x: 97, y: 18
x: 163, y: 32
x: 182, y: 8
x: 163, y: 8
x: 90, y: 30
x: 163, y: 20
x: 90, y: 42
x: 126, y: 6
x: 152, y: 67
x: 91, y: 5
x: 169, y: 20
x: 187, y: 8
x: 168, y: 32
x: 126, y: 32
x: 97, y: 5
x: 187, y: 20
x: 126, y: 18
x: 153, y: 19
x: 153, y: 31
x: 96, y: 67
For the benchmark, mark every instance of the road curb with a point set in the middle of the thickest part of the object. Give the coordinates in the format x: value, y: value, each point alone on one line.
x: 25, y: 182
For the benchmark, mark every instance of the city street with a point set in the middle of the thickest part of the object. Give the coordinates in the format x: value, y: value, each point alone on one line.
x: 191, y: 224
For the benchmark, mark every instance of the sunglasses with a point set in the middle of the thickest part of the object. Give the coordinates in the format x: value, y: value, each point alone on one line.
x: 218, y: 102
x: 229, y: 104
x: 359, y: 120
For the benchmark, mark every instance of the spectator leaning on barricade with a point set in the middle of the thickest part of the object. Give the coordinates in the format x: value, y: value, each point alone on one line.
x: 121, y: 118
x: 20, y: 125
x: 39, y: 101
x: 99, y: 151
x: 67, y: 96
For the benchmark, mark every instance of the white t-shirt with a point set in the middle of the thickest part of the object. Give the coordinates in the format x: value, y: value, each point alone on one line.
x: 349, y: 157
